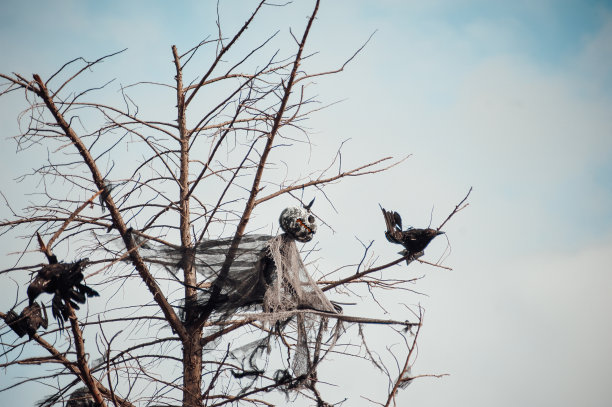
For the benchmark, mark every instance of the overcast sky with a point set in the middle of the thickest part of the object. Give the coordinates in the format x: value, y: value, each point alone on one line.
x: 512, y: 98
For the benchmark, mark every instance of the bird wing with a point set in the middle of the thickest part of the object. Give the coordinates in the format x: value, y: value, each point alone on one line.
x: 51, y: 271
x: 393, y: 234
x: 398, y: 220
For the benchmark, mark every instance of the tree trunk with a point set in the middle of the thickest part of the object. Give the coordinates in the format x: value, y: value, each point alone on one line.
x: 192, y: 348
x: 192, y: 369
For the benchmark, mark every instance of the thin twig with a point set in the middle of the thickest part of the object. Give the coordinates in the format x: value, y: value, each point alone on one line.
x: 457, y: 209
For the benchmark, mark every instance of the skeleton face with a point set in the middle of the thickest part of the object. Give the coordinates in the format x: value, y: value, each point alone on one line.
x: 298, y: 223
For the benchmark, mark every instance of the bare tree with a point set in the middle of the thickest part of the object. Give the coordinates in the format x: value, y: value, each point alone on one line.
x: 150, y: 203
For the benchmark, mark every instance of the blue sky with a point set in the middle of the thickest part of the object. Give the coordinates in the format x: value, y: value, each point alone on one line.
x: 513, y: 98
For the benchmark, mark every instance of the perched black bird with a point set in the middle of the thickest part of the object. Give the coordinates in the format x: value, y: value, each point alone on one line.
x: 413, y: 240
x: 30, y: 319
x: 64, y: 280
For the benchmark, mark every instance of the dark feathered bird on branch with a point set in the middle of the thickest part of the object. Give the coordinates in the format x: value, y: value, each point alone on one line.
x: 414, y: 240
x: 30, y: 319
x: 64, y: 280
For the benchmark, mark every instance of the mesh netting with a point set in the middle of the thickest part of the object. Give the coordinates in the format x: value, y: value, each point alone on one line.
x: 292, y: 287
x: 267, y: 274
x: 267, y: 282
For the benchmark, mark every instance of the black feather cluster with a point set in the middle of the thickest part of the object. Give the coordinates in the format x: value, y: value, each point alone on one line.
x: 30, y: 319
x: 64, y: 280
x: 81, y: 398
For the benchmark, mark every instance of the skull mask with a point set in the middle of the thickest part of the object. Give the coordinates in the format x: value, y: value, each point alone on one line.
x: 298, y: 223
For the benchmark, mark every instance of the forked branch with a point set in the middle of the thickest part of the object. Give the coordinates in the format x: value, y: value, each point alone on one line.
x: 117, y: 218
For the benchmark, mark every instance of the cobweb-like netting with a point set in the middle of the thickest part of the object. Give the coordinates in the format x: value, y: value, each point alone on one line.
x: 267, y: 282
x: 292, y: 288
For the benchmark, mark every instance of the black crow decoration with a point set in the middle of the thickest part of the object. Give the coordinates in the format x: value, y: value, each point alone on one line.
x: 64, y: 280
x: 30, y: 319
x: 414, y: 240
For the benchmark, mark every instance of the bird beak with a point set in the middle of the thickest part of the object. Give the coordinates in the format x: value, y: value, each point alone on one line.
x: 439, y: 232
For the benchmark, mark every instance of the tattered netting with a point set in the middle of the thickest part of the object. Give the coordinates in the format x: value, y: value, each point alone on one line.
x: 269, y: 283
x: 292, y: 287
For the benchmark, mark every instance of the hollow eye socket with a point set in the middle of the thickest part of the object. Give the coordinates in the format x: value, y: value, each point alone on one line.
x: 311, y: 219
